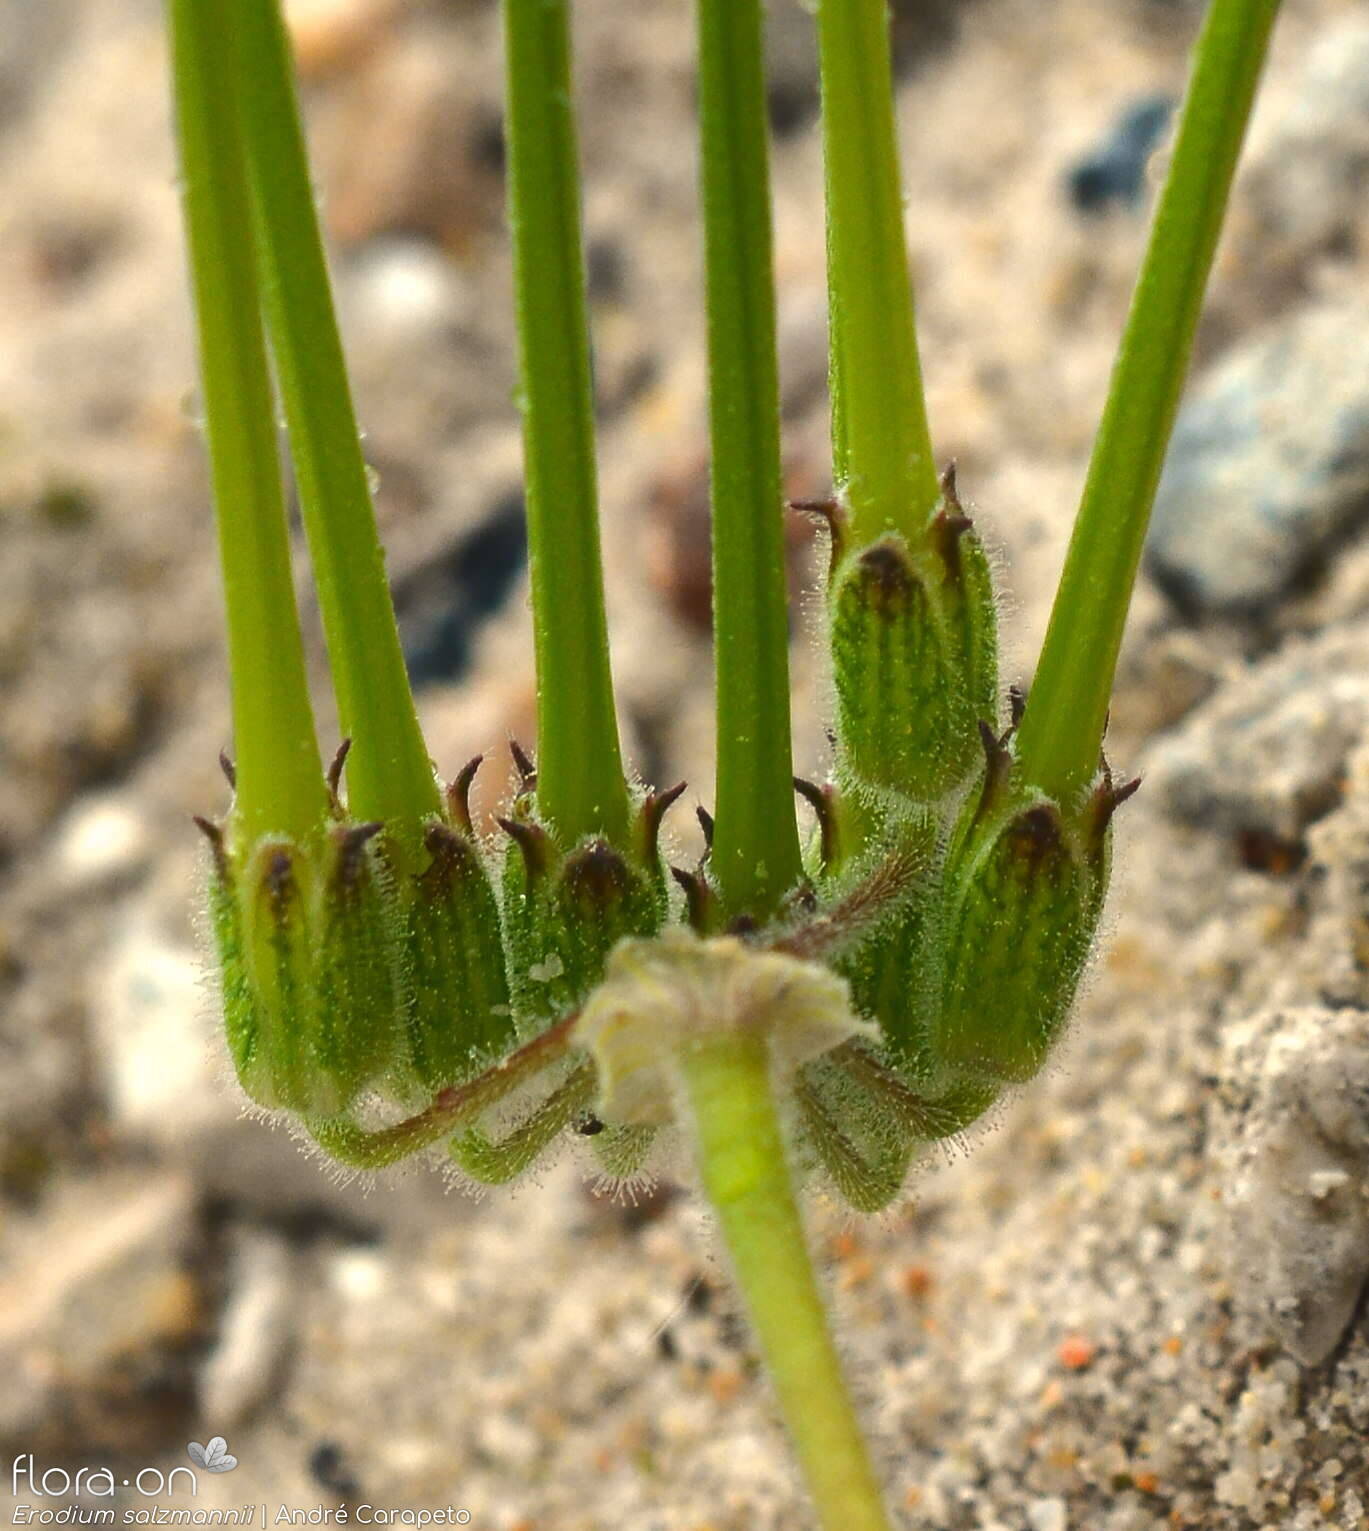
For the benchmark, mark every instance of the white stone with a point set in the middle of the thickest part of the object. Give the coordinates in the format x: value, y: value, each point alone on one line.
x: 254, y: 1331
x: 102, y: 838
x: 1047, y: 1515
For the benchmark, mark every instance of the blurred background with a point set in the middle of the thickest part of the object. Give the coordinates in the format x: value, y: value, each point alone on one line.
x: 1051, y: 1332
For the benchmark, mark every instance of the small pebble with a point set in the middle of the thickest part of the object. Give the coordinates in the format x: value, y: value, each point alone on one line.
x: 1302, y: 188
x: 1293, y: 1136
x: 444, y: 602
x: 101, y: 839
x: 154, y: 1032
x: 1268, y: 469
x: 1115, y: 172
x: 1047, y: 1515
x: 1265, y: 758
x: 406, y: 288
x: 254, y: 1331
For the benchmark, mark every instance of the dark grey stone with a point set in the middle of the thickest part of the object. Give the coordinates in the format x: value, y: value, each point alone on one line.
x: 1115, y: 172
x: 1268, y: 470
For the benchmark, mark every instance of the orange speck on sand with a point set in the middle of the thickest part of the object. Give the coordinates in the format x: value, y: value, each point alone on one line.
x: 1174, y: 1345
x: 1148, y: 1483
x: 917, y: 1282
x: 857, y: 1272
x: 724, y: 1385
x: 913, y: 1497
x: 844, y: 1245
x: 1076, y: 1352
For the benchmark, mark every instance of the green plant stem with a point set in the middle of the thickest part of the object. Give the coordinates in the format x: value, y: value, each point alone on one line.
x: 881, y: 444
x: 1063, y: 727
x: 755, y: 856
x: 280, y: 786
x: 745, y: 1174
x: 389, y: 775
x: 581, y: 789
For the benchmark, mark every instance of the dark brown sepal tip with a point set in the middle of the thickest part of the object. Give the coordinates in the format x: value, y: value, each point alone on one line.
x: 208, y: 829
x: 948, y: 527
x: 831, y: 512
x: 597, y: 875
x: 654, y: 809
x: 532, y: 841
x: 352, y: 840
x: 953, y: 524
x: 1126, y: 790
x: 706, y: 824
x: 1107, y: 799
x: 989, y: 740
x: 947, y: 483
x: 459, y: 795
x: 445, y: 849
x: 527, y: 771
x: 589, y: 1126
x: 335, y: 768
x: 214, y: 834
x: 1017, y: 705
x: 822, y: 801
x: 950, y: 523
x: 997, y: 762
x: 697, y: 898
x: 229, y: 770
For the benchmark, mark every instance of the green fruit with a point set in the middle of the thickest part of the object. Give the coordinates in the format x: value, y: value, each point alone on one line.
x: 1025, y: 884
x: 913, y: 641
x: 357, y: 1033
x: 306, y: 953
x: 458, y: 1015
x: 341, y: 978
x: 564, y: 913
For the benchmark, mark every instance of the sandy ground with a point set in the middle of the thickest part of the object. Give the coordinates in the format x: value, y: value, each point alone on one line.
x: 1134, y: 1302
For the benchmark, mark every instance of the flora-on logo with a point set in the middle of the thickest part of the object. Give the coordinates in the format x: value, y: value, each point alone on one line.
x: 27, y: 1477
x: 214, y: 1457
